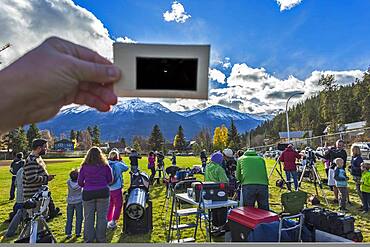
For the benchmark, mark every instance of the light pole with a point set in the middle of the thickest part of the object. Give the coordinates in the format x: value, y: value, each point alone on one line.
x: 286, y: 112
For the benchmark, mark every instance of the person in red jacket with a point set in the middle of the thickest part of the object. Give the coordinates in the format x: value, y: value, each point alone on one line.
x: 289, y: 156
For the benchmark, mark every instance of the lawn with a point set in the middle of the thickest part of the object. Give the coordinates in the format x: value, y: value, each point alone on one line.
x: 59, y: 191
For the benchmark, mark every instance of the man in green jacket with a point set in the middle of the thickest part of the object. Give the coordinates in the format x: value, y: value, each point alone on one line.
x: 251, y: 173
x: 216, y: 173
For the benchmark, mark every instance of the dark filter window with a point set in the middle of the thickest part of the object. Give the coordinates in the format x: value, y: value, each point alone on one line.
x: 166, y: 73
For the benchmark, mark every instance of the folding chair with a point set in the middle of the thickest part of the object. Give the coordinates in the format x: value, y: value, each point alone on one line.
x: 292, y: 204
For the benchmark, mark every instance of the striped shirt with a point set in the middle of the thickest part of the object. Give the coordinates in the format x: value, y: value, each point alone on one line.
x: 34, y: 175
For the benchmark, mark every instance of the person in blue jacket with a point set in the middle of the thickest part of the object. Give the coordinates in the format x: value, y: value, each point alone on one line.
x: 116, y: 200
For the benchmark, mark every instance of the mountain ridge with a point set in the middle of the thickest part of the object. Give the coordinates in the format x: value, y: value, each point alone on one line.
x: 135, y: 117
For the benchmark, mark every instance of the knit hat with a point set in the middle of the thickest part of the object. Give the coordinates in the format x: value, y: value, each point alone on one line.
x: 228, y: 152
x: 217, y: 157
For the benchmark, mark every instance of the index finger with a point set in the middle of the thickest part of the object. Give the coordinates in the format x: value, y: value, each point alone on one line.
x: 77, y: 51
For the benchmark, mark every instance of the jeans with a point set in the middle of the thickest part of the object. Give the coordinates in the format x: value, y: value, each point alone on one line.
x: 71, y: 208
x: 20, y: 216
x: 151, y: 178
x: 293, y: 174
x: 343, y: 195
x: 357, y: 181
x: 100, y: 208
x: 256, y: 192
x: 366, y: 200
x: 12, y: 188
x: 115, y: 205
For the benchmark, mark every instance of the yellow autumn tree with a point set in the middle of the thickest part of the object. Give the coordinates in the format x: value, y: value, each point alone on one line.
x: 220, y: 138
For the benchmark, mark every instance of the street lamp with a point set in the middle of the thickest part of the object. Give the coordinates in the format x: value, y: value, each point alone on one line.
x: 286, y: 112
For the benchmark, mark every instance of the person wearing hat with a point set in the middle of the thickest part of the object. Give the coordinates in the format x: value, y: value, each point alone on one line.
x: 203, y: 159
x: 252, y: 174
x: 229, y: 163
x: 16, y: 164
x: 215, y: 173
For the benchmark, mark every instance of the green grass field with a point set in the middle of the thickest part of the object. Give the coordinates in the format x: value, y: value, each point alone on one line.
x: 59, y: 192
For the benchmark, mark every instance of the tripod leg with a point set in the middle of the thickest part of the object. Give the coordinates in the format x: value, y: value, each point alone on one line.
x: 302, y: 175
x: 272, y: 170
x: 25, y: 231
x: 320, y: 184
x: 33, y: 231
x: 45, y: 224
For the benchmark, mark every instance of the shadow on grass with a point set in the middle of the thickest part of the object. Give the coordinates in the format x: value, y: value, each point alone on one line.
x: 140, y: 238
x: 4, y: 226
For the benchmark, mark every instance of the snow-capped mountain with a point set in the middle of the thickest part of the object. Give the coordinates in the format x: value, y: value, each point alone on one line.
x: 136, y: 117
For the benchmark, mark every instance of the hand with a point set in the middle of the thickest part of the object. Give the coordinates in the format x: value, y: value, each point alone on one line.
x: 52, y: 75
x: 51, y: 177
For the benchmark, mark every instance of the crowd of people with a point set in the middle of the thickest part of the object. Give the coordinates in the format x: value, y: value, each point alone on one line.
x: 95, y: 196
x: 335, y: 160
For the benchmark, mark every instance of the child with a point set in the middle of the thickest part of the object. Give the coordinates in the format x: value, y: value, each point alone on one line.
x: 365, y: 186
x: 116, y: 199
x: 341, y: 178
x: 74, y: 200
x: 160, y: 163
x: 331, y: 181
x: 355, y: 170
x: 173, y: 159
x: 19, y: 214
x: 151, y: 165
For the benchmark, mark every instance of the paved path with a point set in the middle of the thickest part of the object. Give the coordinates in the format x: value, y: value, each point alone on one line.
x: 47, y: 161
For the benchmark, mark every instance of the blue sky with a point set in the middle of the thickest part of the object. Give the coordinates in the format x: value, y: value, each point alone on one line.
x: 261, y: 50
x: 313, y: 35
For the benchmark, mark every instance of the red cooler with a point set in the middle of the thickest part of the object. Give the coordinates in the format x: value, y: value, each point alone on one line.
x: 244, y: 219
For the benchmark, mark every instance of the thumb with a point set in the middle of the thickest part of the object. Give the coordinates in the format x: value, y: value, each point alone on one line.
x: 95, y: 72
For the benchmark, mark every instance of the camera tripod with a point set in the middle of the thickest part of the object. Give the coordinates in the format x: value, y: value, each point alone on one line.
x: 316, y: 178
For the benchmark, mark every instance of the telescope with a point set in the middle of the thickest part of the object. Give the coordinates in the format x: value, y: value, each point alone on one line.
x: 138, y: 205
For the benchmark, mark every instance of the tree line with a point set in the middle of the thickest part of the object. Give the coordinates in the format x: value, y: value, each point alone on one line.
x: 334, y: 106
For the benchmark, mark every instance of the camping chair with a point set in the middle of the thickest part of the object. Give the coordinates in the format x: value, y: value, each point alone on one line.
x: 292, y: 204
x: 169, y: 180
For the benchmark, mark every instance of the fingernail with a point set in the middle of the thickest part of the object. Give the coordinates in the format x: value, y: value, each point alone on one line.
x: 113, y: 72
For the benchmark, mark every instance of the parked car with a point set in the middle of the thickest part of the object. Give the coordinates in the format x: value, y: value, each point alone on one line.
x: 364, y: 147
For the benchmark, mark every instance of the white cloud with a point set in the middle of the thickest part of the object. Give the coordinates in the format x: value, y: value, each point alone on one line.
x: 25, y: 24
x: 263, y: 92
x: 287, y: 4
x: 125, y: 40
x: 177, y: 13
x: 254, y: 90
x: 216, y: 75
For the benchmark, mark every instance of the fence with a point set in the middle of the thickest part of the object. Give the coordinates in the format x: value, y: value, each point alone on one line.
x: 349, y: 137
x: 4, y: 155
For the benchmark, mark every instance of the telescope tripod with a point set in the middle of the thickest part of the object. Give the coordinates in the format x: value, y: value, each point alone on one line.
x: 33, y: 232
x: 278, y: 168
x: 316, y: 179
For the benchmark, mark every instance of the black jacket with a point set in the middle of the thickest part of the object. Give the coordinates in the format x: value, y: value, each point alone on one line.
x: 134, y: 156
x: 16, y: 165
x: 332, y: 154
